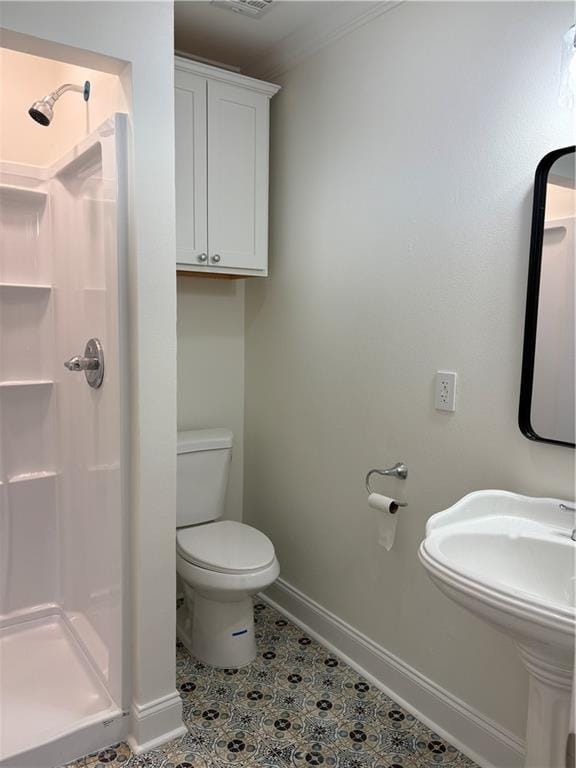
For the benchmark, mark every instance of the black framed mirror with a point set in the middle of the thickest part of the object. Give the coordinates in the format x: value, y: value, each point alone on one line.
x: 547, y: 396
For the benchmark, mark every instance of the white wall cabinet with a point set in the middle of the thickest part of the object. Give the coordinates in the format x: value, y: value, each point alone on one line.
x: 191, y: 167
x: 222, y: 135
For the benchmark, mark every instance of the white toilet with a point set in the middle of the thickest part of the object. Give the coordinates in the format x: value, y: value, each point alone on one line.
x: 221, y: 564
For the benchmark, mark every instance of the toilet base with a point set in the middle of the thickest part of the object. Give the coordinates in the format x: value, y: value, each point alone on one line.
x: 220, y: 634
x: 184, y: 623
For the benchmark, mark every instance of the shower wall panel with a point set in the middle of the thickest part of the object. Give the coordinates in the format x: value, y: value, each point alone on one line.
x: 86, y: 282
x: 63, y: 510
x: 29, y: 433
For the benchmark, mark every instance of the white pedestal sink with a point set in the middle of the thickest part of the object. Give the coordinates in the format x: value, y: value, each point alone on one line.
x: 510, y: 560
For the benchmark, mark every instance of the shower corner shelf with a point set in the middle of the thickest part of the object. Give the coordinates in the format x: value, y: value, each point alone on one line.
x: 27, y: 477
x: 25, y: 286
x: 22, y: 195
x: 26, y: 383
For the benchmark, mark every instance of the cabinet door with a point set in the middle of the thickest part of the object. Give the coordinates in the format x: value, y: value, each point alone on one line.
x: 191, y: 174
x: 237, y: 177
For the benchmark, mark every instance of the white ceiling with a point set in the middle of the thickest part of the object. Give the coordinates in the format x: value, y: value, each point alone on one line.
x: 204, y: 30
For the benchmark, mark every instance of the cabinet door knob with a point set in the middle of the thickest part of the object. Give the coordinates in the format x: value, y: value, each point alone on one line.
x: 202, y: 258
x: 215, y: 259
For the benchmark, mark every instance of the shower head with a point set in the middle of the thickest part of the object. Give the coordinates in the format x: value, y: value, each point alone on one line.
x: 43, y: 111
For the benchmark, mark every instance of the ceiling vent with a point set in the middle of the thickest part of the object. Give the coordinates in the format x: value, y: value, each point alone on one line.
x: 253, y: 8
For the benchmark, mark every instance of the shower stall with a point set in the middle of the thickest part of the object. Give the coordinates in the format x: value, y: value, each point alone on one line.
x: 63, y: 468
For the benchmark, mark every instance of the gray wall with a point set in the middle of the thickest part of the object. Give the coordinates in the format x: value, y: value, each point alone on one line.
x: 211, y: 367
x: 403, y: 158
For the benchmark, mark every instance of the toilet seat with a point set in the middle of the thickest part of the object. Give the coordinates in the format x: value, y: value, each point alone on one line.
x: 225, y: 547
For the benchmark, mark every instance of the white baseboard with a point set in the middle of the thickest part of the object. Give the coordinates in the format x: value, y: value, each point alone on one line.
x: 483, y: 740
x: 155, y: 723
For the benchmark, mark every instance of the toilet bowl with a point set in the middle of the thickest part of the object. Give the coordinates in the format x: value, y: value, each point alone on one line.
x: 221, y: 575
x: 221, y: 564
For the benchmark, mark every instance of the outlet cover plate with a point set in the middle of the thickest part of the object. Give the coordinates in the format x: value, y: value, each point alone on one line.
x: 445, y: 395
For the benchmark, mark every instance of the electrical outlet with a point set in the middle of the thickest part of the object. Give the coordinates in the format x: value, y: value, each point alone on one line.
x: 445, y: 399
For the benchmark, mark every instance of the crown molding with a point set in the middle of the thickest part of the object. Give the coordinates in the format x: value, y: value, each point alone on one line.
x: 225, y: 76
x: 305, y: 42
x: 203, y: 60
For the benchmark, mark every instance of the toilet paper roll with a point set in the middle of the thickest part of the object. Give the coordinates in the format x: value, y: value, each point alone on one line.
x: 387, y: 520
x: 383, y: 503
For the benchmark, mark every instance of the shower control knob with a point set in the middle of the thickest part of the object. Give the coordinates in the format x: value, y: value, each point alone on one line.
x: 92, y: 363
x: 202, y: 258
x: 215, y: 259
x: 78, y: 363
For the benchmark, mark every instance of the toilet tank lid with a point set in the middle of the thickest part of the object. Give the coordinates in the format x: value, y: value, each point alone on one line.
x: 204, y: 440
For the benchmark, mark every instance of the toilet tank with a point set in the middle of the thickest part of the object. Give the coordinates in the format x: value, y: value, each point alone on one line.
x: 202, y: 475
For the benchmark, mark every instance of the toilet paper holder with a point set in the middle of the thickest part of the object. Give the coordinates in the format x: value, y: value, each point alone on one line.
x: 399, y: 470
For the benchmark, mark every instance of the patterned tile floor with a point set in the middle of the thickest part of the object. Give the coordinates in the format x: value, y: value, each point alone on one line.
x: 296, y: 706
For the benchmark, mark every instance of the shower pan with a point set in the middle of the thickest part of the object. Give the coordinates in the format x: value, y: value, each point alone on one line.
x: 63, y: 510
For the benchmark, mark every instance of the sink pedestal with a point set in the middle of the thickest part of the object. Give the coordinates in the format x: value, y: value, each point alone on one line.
x: 549, y: 701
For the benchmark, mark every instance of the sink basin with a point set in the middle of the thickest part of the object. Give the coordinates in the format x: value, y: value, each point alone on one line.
x: 510, y: 560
